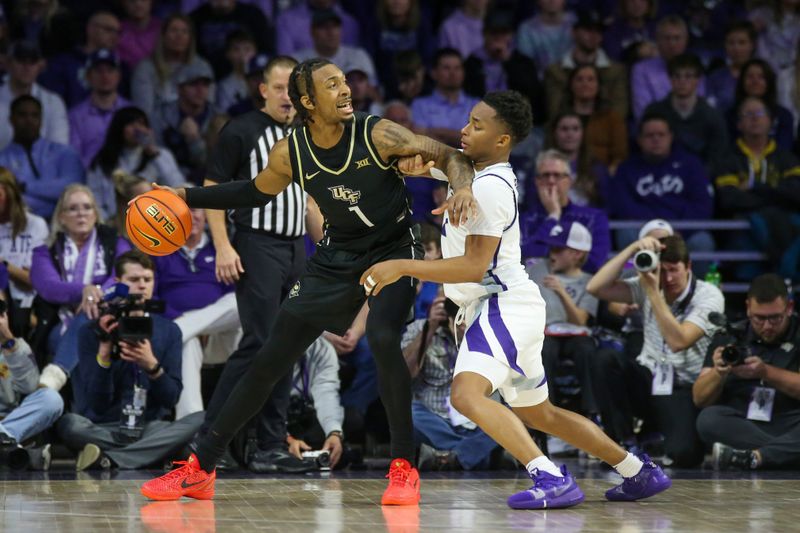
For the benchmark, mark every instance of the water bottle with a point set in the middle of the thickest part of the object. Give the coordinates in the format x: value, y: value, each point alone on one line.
x: 712, y: 276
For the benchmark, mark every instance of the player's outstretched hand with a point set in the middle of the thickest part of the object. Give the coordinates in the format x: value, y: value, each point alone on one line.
x: 459, y: 207
x: 179, y: 192
x: 414, y: 166
x: 382, y: 274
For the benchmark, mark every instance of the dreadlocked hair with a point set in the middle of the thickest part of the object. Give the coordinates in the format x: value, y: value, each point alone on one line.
x: 301, y: 84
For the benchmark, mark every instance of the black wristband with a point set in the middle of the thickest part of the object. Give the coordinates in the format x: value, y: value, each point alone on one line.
x: 153, y: 371
x: 231, y: 195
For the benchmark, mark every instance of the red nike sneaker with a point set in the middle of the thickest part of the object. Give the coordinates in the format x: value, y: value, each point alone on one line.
x: 403, y: 486
x: 188, y: 480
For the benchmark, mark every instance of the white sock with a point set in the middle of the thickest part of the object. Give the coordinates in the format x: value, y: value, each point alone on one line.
x: 630, y: 466
x: 543, y: 464
x: 53, y: 377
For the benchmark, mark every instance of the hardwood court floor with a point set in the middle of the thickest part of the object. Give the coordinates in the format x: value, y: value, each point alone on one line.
x: 62, y: 501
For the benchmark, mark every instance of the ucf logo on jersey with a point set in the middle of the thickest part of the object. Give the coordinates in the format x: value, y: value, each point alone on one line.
x: 340, y: 192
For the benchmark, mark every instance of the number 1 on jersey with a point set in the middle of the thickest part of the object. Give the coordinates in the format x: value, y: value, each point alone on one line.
x: 357, y: 210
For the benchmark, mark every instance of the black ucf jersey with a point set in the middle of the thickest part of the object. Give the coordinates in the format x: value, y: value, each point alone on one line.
x: 363, y: 198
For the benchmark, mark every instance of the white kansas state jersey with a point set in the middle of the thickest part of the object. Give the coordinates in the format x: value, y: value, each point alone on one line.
x: 495, y: 189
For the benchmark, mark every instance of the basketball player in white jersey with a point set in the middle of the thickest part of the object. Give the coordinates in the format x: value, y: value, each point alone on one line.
x: 505, y: 317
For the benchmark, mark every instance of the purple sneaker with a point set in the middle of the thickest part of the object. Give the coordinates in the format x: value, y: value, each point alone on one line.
x: 648, y: 482
x: 548, y: 492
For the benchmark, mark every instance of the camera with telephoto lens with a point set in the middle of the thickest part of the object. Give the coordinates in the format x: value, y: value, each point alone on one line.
x: 119, y: 303
x: 736, y: 349
x: 322, y: 458
x: 645, y: 260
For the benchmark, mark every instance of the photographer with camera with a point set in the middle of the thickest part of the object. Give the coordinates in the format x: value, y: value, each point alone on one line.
x: 749, y: 388
x: 316, y: 415
x: 656, y: 387
x: 129, y: 370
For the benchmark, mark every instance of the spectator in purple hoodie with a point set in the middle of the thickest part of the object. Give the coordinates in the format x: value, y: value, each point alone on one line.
x: 661, y: 182
x: 551, y: 205
x: 200, y: 305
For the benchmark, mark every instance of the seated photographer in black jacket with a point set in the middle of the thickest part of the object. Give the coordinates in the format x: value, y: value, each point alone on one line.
x: 130, y: 387
x: 750, y: 384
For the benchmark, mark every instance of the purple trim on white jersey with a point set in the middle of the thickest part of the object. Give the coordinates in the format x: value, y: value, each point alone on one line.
x: 513, y: 191
x: 502, y: 334
x: 476, y: 340
x: 544, y: 380
x: 497, y: 280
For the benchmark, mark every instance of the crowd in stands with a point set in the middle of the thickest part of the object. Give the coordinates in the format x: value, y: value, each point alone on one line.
x: 657, y: 112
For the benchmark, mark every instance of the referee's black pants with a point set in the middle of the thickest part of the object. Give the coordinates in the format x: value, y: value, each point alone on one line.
x: 622, y: 389
x: 290, y: 337
x: 271, y: 267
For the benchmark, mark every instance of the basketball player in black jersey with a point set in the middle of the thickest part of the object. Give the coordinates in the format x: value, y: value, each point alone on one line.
x: 346, y: 162
x: 267, y: 238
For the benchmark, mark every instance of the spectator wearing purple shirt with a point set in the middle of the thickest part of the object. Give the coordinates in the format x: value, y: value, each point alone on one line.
x: 200, y: 305
x: 138, y: 32
x: 649, y: 78
x: 442, y: 114
x: 498, y: 66
x: 552, y: 206
x: 213, y: 22
x: 546, y: 37
x: 64, y: 72
x: 662, y: 182
x: 740, y: 44
x: 89, y: 120
x: 43, y: 168
x: 632, y: 29
x: 292, y: 27
x: 462, y: 26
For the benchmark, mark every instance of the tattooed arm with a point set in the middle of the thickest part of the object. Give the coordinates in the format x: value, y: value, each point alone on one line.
x: 393, y: 140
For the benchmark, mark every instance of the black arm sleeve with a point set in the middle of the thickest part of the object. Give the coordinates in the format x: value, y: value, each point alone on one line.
x: 231, y: 195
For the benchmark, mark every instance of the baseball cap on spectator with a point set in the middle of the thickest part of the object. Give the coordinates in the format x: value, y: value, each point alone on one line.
x: 498, y: 21
x: 323, y: 16
x: 25, y: 52
x: 569, y: 235
x: 102, y: 56
x: 656, y: 223
x: 256, y: 65
x: 356, y: 70
x: 589, y: 20
x: 193, y: 72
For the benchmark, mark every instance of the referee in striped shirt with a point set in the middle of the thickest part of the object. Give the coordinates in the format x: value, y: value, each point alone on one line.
x: 267, y: 254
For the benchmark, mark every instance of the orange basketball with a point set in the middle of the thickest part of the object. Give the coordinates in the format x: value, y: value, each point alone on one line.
x: 158, y: 222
